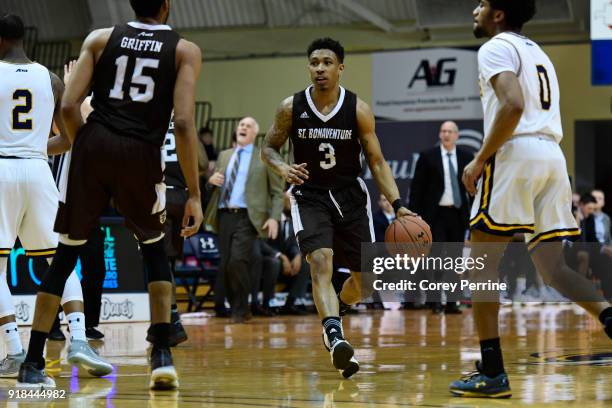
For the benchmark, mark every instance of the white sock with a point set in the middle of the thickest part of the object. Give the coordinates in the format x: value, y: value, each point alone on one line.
x: 10, y: 334
x: 76, y: 322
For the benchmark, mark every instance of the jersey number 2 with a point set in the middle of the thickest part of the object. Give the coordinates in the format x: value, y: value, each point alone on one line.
x: 144, y: 93
x: 330, y: 156
x: 22, y: 109
x: 169, y: 150
x: 545, y: 91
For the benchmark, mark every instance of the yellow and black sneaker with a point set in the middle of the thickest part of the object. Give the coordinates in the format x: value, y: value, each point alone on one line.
x: 478, y: 385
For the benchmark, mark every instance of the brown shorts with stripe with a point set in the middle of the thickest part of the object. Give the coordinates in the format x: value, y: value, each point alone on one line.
x: 107, y: 165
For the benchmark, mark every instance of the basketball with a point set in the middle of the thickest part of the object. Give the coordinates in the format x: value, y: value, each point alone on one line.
x: 410, y: 235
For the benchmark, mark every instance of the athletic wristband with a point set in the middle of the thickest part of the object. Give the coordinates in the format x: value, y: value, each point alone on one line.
x: 397, y: 204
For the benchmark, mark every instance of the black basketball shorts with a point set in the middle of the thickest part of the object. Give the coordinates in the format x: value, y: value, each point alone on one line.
x: 106, y: 165
x: 340, y: 219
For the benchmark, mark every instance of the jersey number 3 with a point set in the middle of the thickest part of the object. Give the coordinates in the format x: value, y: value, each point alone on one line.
x: 24, y: 96
x: 143, y: 93
x: 330, y: 156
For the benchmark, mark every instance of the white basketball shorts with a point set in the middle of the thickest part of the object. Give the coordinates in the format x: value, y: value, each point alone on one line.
x: 28, y: 205
x: 525, y: 188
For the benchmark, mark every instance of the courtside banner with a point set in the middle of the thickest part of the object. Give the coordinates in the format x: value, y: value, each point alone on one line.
x: 428, y: 84
x: 115, y: 308
x: 122, y: 263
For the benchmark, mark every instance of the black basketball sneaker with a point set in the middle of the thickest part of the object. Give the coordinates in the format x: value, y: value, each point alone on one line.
x: 342, y: 355
x: 478, y: 385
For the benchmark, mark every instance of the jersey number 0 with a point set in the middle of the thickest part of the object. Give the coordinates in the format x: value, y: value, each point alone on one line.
x: 545, y: 92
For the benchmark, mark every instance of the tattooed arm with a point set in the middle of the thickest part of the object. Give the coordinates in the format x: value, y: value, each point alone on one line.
x: 274, y: 141
x: 378, y: 165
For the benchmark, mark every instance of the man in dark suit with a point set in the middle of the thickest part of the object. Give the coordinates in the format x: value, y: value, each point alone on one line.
x: 600, y: 253
x: 439, y: 197
x: 246, y: 202
x: 265, y: 266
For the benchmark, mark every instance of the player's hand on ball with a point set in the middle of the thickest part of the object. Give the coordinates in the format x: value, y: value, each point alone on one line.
x: 296, y: 174
x: 471, y: 174
x: 217, y: 179
x: 272, y: 227
x: 404, y: 212
x: 193, y: 217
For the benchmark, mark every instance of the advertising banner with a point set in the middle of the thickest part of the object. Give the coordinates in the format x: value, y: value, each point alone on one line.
x: 601, y: 42
x: 124, y: 288
x: 601, y: 20
x: 429, y: 84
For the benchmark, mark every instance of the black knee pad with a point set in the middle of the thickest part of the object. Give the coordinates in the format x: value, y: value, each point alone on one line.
x: 156, y: 262
x: 57, y: 274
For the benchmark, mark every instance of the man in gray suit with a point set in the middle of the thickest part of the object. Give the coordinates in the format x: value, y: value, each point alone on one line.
x: 246, y: 202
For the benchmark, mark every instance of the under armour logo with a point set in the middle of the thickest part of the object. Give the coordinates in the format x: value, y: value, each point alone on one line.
x: 480, y: 384
x: 304, y: 115
x: 333, y: 330
x: 207, y: 243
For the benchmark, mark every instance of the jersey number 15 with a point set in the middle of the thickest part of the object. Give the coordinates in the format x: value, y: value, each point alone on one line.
x: 143, y: 93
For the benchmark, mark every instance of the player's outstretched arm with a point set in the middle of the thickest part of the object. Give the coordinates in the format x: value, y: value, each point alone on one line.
x: 511, y: 104
x: 189, y: 62
x: 80, y: 80
x: 274, y: 141
x: 378, y: 165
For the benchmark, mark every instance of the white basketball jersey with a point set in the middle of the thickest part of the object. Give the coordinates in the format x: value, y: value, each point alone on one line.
x: 518, y: 54
x: 26, y: 110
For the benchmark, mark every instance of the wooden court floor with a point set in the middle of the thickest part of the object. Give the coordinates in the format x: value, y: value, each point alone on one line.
x: 555, y: 356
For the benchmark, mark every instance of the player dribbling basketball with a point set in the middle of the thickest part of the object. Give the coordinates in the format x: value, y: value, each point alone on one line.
x: 328, y: 127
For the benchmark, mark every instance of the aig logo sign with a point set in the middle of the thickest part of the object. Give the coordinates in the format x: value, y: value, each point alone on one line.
x: 441, y: 74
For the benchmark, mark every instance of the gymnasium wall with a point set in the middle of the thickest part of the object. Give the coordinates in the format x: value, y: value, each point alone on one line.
x: 256, y: 86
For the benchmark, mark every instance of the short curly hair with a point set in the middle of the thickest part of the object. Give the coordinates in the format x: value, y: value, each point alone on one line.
x: 517, y: 12
x: 327, y: 44
x: 11, y: 27
x: 146, y: 8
